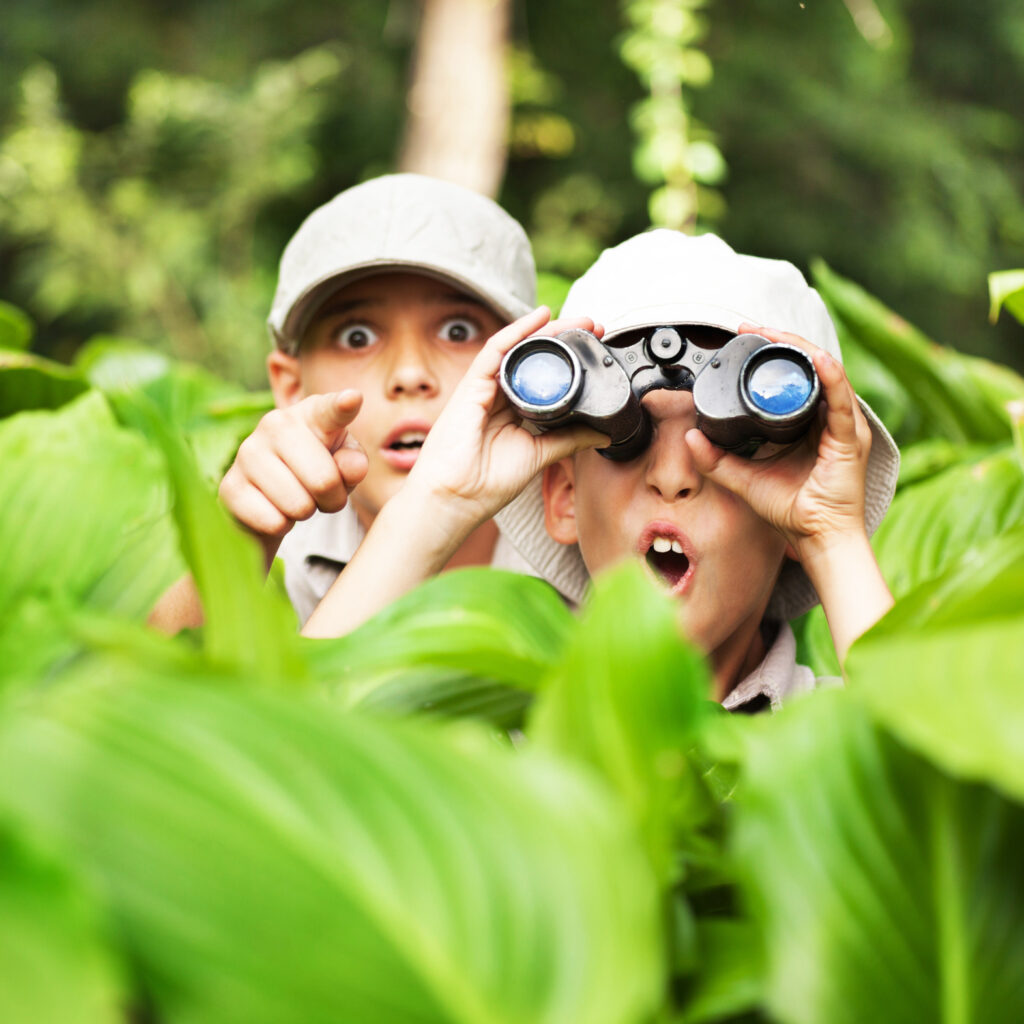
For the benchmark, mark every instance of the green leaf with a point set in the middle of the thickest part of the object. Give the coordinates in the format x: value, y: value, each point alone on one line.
x: 499, y: 626
x: 212, y: 413
x: 943, y: 669
x: 55, y: 966
x: 883, y: 889
x: 83, y: 511
x: 626, y: 700
x: 814, y: 646
x: 730, y: 977
x: 269, y: 859
x: 932, y: 524
x: 30, y: 382
x: 247, y: 625
x: 16, y: 328
x: 1006, y: 288
x: 952, y: 392
x: 928, y: 458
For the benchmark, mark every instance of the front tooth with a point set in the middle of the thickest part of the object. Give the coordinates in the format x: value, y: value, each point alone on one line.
x: 661, y: 545
x: 677, y: 547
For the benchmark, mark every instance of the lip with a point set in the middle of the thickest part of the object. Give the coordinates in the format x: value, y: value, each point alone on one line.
x: 403, y: 459
x: 663, y: 528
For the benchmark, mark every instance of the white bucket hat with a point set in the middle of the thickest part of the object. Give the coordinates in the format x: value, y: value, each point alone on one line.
x: 665, y: 277
x: 403, y: 222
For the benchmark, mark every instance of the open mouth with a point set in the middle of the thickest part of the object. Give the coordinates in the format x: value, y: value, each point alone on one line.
x: 409, y: 440
x: 666, y: 556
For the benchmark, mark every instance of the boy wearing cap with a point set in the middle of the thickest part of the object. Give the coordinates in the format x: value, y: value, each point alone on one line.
x: 743, y: 544
x: 385, y: 295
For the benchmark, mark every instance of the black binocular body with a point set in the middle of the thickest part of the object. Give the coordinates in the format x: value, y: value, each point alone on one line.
x: 752, y: 396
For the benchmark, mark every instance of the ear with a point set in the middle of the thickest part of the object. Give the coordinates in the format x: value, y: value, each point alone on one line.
x: 559, y: 488
x: 285, y: 378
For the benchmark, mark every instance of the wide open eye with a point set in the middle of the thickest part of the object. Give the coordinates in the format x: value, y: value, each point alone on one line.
x: 460, y: 329
x: 355, y: 336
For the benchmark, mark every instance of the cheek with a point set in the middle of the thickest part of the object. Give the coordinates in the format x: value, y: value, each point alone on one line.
x: 453, y: 367
x: 603, y: 491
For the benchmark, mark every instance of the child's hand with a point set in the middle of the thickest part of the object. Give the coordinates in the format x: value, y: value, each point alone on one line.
x: 297, y: 460
x: 477, y: 456
x: 814, y: 494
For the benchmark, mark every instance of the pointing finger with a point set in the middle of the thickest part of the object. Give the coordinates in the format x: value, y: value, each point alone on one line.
x: 329, y: 415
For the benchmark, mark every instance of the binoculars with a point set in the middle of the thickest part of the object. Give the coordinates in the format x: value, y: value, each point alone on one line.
x: 752, y: 396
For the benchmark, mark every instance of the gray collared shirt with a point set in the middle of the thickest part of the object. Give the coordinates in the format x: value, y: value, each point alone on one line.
x: 777, y: 678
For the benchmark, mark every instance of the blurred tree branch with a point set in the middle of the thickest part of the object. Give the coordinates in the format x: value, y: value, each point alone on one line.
x: 458, y: 103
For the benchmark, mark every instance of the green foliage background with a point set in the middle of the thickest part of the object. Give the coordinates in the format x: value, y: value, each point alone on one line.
x: 155, y: 159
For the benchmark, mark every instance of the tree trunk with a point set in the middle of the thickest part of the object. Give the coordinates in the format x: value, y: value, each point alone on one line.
x: 458, y: 104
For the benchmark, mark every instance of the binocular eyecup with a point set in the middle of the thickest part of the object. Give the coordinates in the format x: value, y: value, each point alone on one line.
x: 752, y: 397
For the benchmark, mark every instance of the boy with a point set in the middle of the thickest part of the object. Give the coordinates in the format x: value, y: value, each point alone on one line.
x: 385, y: 296
x: 744, y: 545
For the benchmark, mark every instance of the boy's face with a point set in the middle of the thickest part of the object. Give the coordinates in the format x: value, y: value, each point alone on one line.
x: 722, y: 560
x: 404, y: 341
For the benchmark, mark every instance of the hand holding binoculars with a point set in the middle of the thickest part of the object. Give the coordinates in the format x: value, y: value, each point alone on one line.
x: 752, y: 397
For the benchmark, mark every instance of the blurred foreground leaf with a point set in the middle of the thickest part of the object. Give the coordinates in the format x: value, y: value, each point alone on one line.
x: 247, y: 624
x: 30, y: 382
x: 83, y: 511
x: 932, y: 524
x: 474, y: 641
x: 272, y: 860
x: 943, y: 669
x: 214, y: 414
x: 626, y: 700
x: 883, y: 889
x: 55, y: 966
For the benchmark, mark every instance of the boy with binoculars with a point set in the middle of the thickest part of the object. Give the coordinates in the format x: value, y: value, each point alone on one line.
x: 743, y: 542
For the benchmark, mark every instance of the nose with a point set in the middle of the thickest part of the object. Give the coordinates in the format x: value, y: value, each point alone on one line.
x: 410, y: 369
x: 669, y: 469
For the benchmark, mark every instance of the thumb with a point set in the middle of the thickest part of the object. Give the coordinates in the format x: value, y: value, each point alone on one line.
x: 328, y: 416
x: 721, y: 467
x: 566, y: 441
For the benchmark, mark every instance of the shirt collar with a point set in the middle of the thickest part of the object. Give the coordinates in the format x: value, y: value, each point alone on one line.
x: 776, y: 678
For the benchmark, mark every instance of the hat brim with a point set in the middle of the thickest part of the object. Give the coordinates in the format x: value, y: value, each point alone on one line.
x: 504, y: 305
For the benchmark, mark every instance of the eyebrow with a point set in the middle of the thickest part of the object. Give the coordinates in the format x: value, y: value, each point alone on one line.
x: 337, y: 307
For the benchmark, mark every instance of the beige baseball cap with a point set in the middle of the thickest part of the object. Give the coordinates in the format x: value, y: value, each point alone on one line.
x: 665, y: 277
x: 403, y: 222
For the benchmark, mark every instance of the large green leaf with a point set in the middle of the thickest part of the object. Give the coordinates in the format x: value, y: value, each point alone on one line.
x: 214, y: 414
x: 626, y: 700
x: 30, y: 382
x: 501, y: 629
x: 932, y: 524
x: 83, y: 511
x: 247, y: 624
x: 270, y: 859
x: 884, y: 889
x: 943, y: 669
x: 55, y: 966
x: 958, y: 397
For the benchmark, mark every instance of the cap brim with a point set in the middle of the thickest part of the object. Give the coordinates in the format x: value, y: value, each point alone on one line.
x: 304, y: 308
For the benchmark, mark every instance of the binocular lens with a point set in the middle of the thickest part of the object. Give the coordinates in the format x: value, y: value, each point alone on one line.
x: 542, y: 377
x: 779, y: 386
